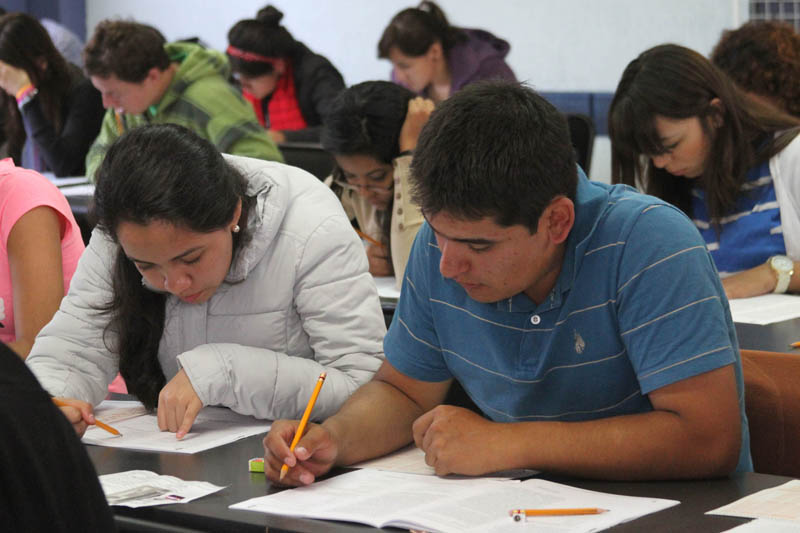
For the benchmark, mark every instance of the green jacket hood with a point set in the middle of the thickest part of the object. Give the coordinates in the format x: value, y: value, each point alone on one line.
x: 195, y: 63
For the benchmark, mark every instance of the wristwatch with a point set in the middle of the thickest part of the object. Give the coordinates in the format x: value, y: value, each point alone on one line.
x: 783, y: 268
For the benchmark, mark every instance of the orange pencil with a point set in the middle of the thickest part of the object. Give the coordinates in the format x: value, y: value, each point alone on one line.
x: 517, y: 514
x: 795, y: 344
x: 99, y: 424
x: 368, y: 238
x: 304, y: 420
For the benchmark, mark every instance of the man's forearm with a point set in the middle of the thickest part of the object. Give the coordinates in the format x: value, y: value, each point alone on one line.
x: 376, y: 420
x: 654, y: 445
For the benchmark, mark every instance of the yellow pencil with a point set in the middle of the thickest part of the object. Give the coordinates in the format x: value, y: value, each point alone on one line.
x: 795, y: 344
x: 99, y: 424
x: 304, y: 420
x: 368, y: 238
x: 517, y: 514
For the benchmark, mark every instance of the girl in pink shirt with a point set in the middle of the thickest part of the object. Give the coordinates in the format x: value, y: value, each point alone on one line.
x: 40, y: 244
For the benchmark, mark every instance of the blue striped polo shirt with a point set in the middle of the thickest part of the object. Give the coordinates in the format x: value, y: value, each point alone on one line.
x: 752, y: 233
x: 637, y: 306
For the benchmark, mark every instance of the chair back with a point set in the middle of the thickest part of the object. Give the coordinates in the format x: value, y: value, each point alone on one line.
x: 772, y: 401
x: 308, y: 156
x: 581, y: 133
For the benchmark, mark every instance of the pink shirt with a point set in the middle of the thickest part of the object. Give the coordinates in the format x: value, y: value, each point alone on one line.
x: 20, y: 191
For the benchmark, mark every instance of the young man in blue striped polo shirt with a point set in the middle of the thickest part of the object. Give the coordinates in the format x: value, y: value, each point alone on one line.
x: 586, y: 321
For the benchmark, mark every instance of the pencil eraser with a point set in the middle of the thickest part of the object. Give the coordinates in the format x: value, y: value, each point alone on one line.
x: 256, y: 464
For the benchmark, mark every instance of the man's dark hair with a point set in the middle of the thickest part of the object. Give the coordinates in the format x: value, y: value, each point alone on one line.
x: 494, y: 149
x: 128, y: 50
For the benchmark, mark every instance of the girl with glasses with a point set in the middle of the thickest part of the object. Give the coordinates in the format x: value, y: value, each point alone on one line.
x: 371, y: 131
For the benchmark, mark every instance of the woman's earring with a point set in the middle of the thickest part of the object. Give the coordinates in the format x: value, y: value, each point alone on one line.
x: 236, y: 228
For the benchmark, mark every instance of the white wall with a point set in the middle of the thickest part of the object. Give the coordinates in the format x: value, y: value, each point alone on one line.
x: 556, y: 45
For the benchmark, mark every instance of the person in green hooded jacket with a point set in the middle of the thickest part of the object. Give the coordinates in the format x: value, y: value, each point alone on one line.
x: 143, y: 80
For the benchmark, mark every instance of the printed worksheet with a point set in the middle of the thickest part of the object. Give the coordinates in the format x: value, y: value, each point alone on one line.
x: 213, y: 427
x: 777, y: 503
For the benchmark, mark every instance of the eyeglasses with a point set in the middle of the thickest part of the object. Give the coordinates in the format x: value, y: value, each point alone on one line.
x: 371, y: 188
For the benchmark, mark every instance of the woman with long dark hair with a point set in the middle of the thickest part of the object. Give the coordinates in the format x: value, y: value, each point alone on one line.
x: 435, y: 59
x: 290, y: 86
x: 371, y: 131
x: 211, y: 280
x: 680, y: 130
x: 52, y: 113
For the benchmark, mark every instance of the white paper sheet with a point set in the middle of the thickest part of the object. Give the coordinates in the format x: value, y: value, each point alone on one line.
x: 411, y: 460
x: 66, y: 181
x: 778, y: 503
x: 142, y: 488
x: 78, y: 190
x: 765, y: 309
x: 764, y: 525
x: 213, y: 427
x: 387, y: 289
x: 380, y: 498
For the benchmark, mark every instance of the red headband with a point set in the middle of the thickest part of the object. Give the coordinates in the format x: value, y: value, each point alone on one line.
x: 249, y: 56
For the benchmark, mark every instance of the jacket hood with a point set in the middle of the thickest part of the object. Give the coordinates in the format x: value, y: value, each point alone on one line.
x: 264, y: 219
x: 195, y: 63
x: 467, y: 58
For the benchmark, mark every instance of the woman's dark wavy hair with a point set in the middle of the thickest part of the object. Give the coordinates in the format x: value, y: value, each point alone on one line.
x: 366, y: 119
x: 415, y: 29
x: 163, y: 173
x: 678, y: 83
x: 25, y: 44
x: 263, y: 35
x: 763, y: 57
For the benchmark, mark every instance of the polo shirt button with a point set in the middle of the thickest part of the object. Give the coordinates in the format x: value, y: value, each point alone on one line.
x: 399, y: 210
x: 400, y: 227
x: 397, y: 196
x: 535, y: 319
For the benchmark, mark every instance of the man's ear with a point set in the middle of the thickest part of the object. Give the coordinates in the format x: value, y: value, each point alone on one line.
x: 153, y: 74
x: 559, y: 218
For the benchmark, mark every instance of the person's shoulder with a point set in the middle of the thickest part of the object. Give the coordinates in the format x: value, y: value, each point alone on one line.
x: 21, y: 180
x: 631, y: 213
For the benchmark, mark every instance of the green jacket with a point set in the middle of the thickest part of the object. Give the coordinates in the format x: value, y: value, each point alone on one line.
x: 199, y: 98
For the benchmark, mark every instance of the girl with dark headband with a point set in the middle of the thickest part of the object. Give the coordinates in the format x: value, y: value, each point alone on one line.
x: 289, y: 86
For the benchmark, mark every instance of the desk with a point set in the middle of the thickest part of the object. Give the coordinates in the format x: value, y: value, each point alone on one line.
x: 772, y: 337
x: 227, y: 465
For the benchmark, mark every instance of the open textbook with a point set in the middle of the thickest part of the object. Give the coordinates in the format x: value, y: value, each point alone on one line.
x: 213, y: 427
x: 435, y: 504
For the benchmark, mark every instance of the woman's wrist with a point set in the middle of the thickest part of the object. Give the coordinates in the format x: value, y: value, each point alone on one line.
x: 25, y: 94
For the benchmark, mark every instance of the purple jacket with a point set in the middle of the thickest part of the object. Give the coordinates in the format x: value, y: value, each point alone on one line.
x: 480, y: 57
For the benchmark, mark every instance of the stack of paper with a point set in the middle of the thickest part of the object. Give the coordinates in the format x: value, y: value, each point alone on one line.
x: 410, y: 501
x: 142, y: 488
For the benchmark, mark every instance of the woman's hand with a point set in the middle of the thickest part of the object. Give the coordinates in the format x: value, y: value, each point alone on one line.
x: 80, y: 414
x: 277, y: 136
x: 419, y: 109
x: 178, y: 405
x: 12, y: 79
x: 379, y: 264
